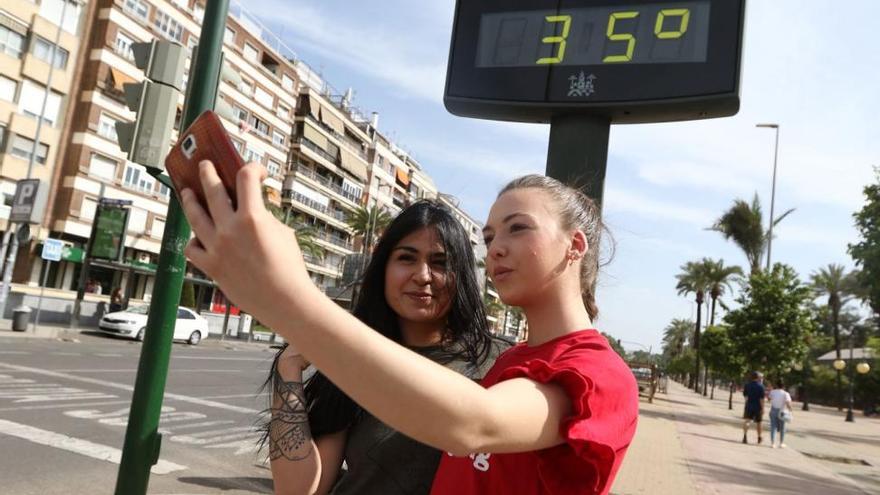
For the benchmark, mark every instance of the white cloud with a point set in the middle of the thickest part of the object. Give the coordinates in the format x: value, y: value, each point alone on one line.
x: 619, y: 200
x: 390, y: 56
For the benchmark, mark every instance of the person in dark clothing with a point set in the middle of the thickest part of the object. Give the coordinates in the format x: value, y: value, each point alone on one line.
x: 419, y: 290
x: 754, y: 411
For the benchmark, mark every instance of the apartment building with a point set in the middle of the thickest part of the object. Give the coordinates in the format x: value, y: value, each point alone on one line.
x: 39, y: 46
x: 93, y: 166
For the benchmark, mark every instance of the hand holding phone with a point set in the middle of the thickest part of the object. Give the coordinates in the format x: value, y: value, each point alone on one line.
x: 205, y: 139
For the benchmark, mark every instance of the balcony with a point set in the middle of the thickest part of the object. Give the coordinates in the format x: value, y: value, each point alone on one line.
x: 346, y: 141
x: 337, y: 214
x: 328, y: 183
x: 318, y: 150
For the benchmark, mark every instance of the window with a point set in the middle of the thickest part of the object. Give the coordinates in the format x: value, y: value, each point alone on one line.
x: 250, y: 52
x: 199, y: 12
x: 191, y: 42
x: 137, y: 220
x: 102, y: 167
x: 277, y: 138
x: 158, y: 228
x: 137, y: 178
x: 22, y: 147
x: 137, y: 8
x: 283, y: 111
x: 252, y: 155
x: 237, y: 145
x: 2, y: 137
x: 30, y: 102
x: 164, y: 191
x: 287, y: 82
x: 263, y: 97
x: 7, y: 88
x: 246, y: 87
x: 183, y: 314
x: 107, y: 127
x: 51, y: 10
x: 11, y: 43
x: 229, y: 35
x: 274, y: 167
x: 239, y: 112
x: 42, y: 49
x: 170, y: 28
x: 259, y: 126
x: 123, y: 46
x: 88, y: 208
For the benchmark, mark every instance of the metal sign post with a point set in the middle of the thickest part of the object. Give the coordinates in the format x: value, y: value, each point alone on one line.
x: 52, y: 249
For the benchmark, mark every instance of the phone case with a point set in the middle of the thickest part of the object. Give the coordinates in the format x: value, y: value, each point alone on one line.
x: 211, y: 142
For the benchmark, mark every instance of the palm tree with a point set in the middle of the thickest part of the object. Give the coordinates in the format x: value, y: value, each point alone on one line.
x: 366, y: 221
x: 744, y: 224
x: 834, y: 282
x: 306, y: 234
x: 692, y: 279
x: 675, y: 338
x: 719, y: 277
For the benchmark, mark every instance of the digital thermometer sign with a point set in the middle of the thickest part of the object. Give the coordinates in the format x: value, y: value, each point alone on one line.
x: 645, y: 61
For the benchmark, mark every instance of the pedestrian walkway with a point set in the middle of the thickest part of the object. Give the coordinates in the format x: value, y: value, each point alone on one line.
x: 687, y: 443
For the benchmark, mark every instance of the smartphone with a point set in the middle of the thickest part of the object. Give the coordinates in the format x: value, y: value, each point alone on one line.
x: 205, y: 139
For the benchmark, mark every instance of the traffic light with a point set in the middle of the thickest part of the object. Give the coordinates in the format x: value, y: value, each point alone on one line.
x: 148, y: 138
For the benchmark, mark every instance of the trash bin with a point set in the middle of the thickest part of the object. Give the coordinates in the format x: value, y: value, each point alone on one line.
x: 21, y: 316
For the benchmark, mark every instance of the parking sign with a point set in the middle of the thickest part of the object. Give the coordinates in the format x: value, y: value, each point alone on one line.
x: 52, y: 249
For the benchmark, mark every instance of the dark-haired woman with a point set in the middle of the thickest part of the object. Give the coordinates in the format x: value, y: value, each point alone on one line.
x: 419, y: 290
x: 554, y: 415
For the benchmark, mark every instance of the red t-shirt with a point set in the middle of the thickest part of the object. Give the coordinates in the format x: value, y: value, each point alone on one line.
x: 605, y: 397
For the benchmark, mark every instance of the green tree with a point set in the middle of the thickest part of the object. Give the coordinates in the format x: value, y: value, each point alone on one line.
x: 306, y: 235
x: 367, y: 222
x: 693, y: 280
x: 866, y: 252
x: 743, y: 223
x: 188, y: 296
x: 833, y: 282
x: 722, y: 357
x: 719, y: 278
x: 675, y: 337
x: 771, y: 328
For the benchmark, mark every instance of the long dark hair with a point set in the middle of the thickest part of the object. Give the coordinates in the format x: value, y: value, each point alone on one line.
x: 465, y: 337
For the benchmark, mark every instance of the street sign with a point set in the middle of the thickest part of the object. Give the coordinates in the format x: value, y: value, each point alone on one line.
x: 630, y: 62
x: 52, y: 250
x: 29, y: 201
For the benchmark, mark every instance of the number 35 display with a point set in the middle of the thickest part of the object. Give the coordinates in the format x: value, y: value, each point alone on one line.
x: 634, y: 62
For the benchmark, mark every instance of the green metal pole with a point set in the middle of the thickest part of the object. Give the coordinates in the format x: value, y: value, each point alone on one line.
x: 577, y: 154
x: 142, y: 440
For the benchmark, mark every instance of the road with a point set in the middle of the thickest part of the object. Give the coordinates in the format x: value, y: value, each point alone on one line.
x: 64, y: 407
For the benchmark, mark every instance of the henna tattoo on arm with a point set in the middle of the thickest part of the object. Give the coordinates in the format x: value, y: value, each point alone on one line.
x: 289, y: 434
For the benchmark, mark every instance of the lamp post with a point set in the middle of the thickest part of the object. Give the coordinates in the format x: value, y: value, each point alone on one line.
x: 772, y: 189
x: 862, y: 368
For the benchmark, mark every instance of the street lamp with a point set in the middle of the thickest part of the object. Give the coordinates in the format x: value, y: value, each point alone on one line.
x: 862, y: 368
x: 772, y: 190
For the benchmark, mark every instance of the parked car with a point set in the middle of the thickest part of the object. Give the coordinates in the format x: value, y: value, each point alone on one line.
x: 132, y: 323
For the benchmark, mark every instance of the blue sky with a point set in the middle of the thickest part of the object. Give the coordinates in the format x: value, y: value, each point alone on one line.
x: 812, y: 67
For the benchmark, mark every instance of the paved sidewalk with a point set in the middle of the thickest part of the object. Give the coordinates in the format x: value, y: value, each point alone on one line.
x: 687, y: 443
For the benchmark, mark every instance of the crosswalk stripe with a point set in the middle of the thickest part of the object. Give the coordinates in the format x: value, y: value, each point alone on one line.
x: 76, y: 445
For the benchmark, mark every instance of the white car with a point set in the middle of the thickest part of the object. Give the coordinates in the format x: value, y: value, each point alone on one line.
x: 132, y: 323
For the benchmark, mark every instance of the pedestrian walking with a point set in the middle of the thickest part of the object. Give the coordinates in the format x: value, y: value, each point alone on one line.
x: 410, y: 296
x: 555, y: 414
x: 116, y: 300
x: 780, y: 413
x: 754, y: 393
